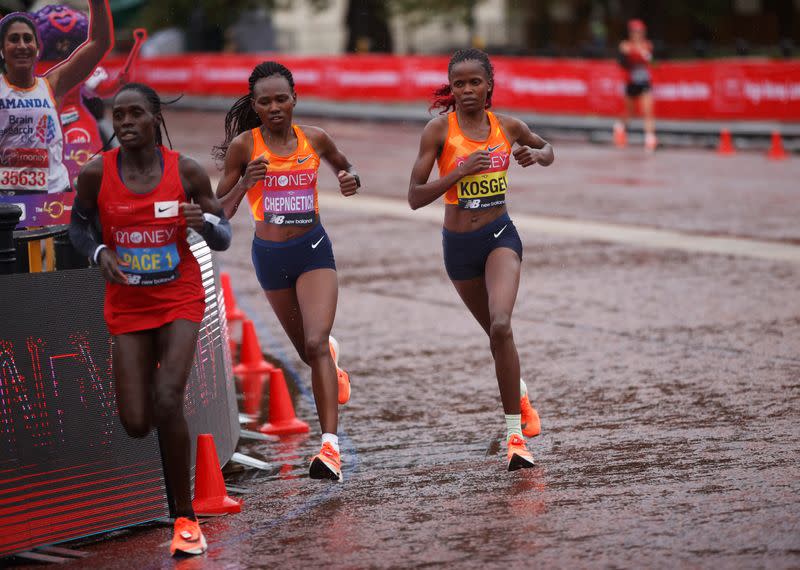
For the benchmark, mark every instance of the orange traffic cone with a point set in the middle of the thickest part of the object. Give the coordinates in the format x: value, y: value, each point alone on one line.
x: 725, y: 143
x: 282, y: 420
x: 253, y: 391
x: 233, y: 314
x: 210, y: 496
x: 776, y: 150
x: 250, y: 358
x: 620, y: 136
x: 232, y: 310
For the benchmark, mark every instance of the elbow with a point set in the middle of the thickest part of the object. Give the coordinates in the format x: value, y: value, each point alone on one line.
x: 413, y: 202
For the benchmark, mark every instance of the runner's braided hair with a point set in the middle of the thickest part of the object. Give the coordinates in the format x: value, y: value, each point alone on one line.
x: 443, y: 97
x: 241, y: 116
x: 5, y: 24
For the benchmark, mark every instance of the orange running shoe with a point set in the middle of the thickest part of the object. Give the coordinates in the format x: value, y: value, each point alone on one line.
x: 342, y: 377
x: 518, y: 455
x: 327, y: 464
x: 531, y: 425
x: 187, y: 537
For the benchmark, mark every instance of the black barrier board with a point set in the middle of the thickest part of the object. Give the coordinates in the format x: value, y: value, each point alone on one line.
x: 67, y: 467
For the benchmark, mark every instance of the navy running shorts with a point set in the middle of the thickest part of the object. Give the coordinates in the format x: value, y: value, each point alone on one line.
x: 278, y: 264
x: 465, y: 254
x: 637, y: 89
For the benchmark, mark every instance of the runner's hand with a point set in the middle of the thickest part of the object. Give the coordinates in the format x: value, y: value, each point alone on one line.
x: 193, y: 214
x: 255, y: 172
x: 527, y: 156
x: 109, y: 267
x: 478, y: 161
x: 347, y: 183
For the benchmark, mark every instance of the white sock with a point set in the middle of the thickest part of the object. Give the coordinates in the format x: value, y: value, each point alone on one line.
x: 333, y: 439
x: 523, y: 388
x: 513, y: 425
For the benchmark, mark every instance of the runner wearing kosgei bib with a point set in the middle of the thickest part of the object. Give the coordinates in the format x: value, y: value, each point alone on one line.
x: 482, y: 249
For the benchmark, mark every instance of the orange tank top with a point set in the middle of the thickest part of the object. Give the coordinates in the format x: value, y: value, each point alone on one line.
x: 288, y: 194
x: 487, y: 188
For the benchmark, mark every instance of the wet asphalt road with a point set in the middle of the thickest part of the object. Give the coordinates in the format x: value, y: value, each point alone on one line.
x: 668, y: 382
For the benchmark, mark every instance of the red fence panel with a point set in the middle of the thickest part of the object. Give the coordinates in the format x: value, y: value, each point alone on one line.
x: 716, y: 89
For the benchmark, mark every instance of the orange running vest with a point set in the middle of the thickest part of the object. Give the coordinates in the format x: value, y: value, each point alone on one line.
x: 487, y: 188
x: 288, y: 194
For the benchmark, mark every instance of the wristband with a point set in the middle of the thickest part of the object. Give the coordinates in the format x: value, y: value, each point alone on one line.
x: 97, y: 251
x: 211, y: 218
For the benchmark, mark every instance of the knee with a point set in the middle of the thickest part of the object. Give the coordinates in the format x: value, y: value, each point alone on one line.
x: 316, y: 346
x: 500, y: 329
x: 167, y: 405
x: 136, y: 426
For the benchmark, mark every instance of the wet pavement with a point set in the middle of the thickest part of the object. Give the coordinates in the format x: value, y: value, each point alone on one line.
x: 668, y: 381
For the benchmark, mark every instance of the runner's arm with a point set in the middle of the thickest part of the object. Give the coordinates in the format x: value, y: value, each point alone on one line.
x: 349, y: 181
x: 420, y: 191
x: 204, y: 214
x: 84, y: 218
x: 233, y: 186
x: 532, y: 149
x: 80, y: 65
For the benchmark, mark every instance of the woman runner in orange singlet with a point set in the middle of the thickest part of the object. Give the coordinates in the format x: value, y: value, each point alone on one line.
x: 482, y: 249
x: 274, y: 163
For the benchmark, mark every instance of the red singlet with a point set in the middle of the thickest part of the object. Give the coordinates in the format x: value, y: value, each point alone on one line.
x: 148, y: 232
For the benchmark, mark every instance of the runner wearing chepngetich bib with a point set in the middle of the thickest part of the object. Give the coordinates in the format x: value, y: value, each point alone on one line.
x: 288, y: 194
x: 292, y: 253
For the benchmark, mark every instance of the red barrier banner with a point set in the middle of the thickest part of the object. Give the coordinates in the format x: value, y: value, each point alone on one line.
x: 736, y: 89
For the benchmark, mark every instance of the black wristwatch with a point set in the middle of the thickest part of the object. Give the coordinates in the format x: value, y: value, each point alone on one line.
x: 358, y: 181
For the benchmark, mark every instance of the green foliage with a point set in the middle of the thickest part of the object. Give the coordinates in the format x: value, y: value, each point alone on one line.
x: 417, y: 12
x: 705, y: 11
x: 165, y: 13
x: 162, y: 14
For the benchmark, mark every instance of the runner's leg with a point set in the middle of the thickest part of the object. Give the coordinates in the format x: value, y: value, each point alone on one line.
x: 177, y: 342
x: 134, y: 360
x: 317, y: 293
x: 284, y: 304
x: 502, y: 283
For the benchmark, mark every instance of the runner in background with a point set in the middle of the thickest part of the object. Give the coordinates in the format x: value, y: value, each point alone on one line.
x: 144, y: 197
x: 482, y: 249
x: 635, y: 55
x: 30, y: 126
x: 275, y: 164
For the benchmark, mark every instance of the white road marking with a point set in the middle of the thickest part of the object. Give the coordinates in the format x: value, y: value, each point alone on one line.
x: 581, y: 229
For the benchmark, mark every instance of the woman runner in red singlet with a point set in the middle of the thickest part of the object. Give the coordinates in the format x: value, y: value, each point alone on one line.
x: 482, y: 250
x: 144, y: 197
x: 30, y: 126
x: 635, y: 55
x: 274, y: 163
